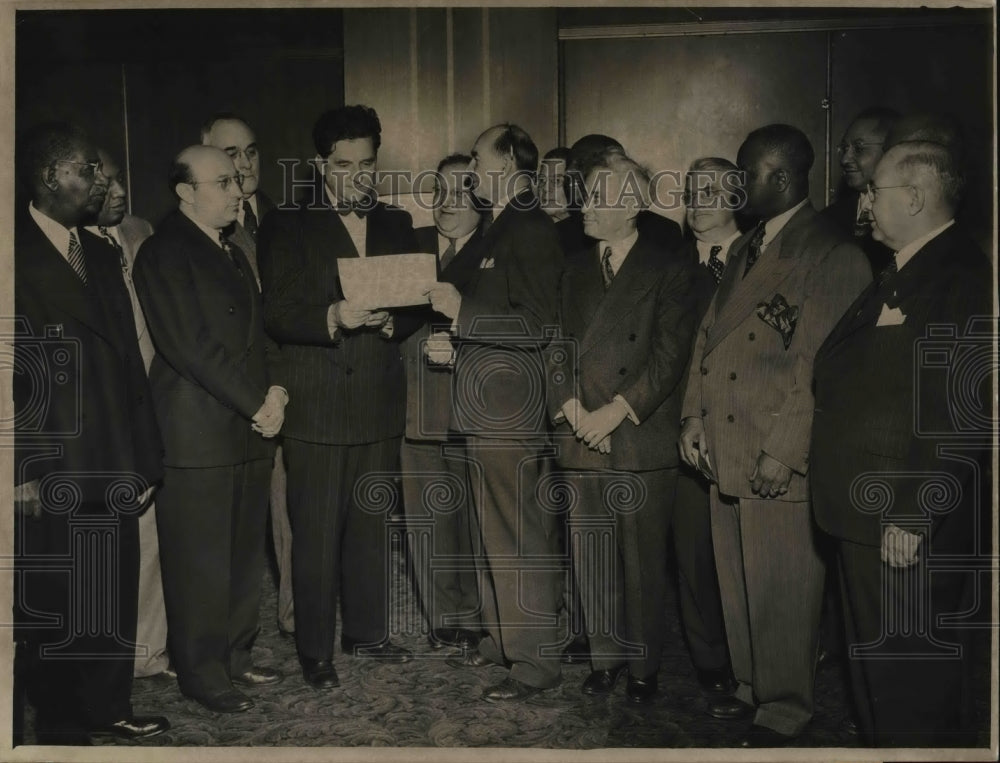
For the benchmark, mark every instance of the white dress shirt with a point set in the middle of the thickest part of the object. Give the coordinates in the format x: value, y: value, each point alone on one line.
x: 773, y: 226
x: 357, y: 227
x: 705, y: 248
x: 905, y: 254
x: 619, y: 251
x: 444, y: 242
x: 55, y: 232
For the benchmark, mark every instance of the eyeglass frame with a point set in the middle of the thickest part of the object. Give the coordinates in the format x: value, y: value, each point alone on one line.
x: 842, y: 148
x: 97, y: 168
x: 871, y: 188
x: 222, y: 182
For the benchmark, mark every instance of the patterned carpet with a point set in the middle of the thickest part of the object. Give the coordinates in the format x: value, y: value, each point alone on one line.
x: 426, y: 703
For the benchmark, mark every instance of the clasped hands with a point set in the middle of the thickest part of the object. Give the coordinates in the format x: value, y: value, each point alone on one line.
x: 594, y: 427
x: 271, y: 415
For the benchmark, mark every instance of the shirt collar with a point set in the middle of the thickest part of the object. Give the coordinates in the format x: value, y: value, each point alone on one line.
x: 54, y: 231
x: 905, y: 254
x: 619, y: 248
x: 773, y: 226
x: 241, y: 214
x: 111, y: 229
x: 444, y: 241
x: 705, y: 247
x: 212, y: 233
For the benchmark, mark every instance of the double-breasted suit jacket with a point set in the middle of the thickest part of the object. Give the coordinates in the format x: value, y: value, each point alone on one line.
x: 753, y: 392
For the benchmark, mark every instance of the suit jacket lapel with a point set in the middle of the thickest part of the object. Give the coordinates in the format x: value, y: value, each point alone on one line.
x: 738, y: 296
x: 630, y: 284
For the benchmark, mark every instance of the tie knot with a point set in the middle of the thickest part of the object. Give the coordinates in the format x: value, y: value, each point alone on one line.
x: 224, y: 243
x: 714, y: 251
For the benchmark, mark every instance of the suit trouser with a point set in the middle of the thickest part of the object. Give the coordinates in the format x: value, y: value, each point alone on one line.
x: 437, y: 501
x: 212, y: 522
x: 619, y: 558
x: 78, y: 664
x: 281, y: 532
x: 698, y: 583
x: 520, y: 567
x: 151, y: 629
x: 771, y: 581
x: 340, y: 541
x: 906, y: 676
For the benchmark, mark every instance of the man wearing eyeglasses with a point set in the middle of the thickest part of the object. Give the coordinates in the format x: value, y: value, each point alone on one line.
x: 890, y: 416
x: 84, y: 430
x: 219, y: 411
x: 234, y: 136
x: 860, y: 150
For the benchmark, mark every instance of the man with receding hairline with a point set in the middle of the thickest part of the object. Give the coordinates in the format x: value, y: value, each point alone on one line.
x: 884, y: 413
x: 219, y: 412
x: 747, y: 415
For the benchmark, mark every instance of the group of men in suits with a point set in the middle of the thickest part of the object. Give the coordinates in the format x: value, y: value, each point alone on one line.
x: 580, y: 343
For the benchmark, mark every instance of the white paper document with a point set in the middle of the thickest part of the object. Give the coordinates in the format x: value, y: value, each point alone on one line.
x: 390, y: 280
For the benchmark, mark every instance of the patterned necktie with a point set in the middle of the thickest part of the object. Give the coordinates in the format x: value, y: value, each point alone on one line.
x: 449, y: 254
x: 228, y: 249
x: 888, y: 271
x: 715, y: 265
x: 609, y: 274
x: 75, y: 256
x: 103, y: 229
x: 249, y: 219
x: 753, y: 253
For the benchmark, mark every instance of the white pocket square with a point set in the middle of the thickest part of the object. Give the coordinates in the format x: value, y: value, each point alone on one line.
x: 487, y: 263
x: 890, y: 316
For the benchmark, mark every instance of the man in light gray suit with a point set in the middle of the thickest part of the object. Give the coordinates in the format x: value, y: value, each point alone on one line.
x: 747, y: 417
x: 125, y: 233
x: 233, y: 135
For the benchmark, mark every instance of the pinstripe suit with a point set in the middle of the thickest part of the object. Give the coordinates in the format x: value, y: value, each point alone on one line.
x: 346, y: 421
x: 754, y: 395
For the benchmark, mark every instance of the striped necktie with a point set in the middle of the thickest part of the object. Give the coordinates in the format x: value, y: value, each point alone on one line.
x: 75, y: 256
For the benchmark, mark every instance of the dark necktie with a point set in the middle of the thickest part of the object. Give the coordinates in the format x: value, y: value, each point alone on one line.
x: 75, y: 256
x: 888, y: 271
x: 753, y: 252
x: 606, y: 271
x: 449, y: 254
x: 229, y: 249
x: 360, y: 207
x: 249, y: 219
x: 103, y: 229
x: 715, y: 265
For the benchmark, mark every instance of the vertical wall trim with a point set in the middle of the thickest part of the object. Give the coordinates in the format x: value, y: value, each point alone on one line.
x: 414, y: 91
x: 449, y: 31
x: 828, y: 106
x: 561, y: 93
x: 128, y: 163
x: 487, y: 96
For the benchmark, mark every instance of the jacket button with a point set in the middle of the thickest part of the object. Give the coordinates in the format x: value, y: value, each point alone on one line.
x: 730, y: 418
x: 752, y: 336
x: 622, y: 371
x: 232, y: 309
x: 631, y: 337
x: 733, y: 376
x: 704, y: 411
x: 349, y: 371
x: 704, y: 371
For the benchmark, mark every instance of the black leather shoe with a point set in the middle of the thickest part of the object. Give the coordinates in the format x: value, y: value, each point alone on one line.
x: 728, y: 708
x: 576, y: 652
x: 602, y: 682
x: 458, y: 637
x: 258, y: 676
x: 470, y: 659
x: 762, y: 736
x: 136, y: 727
x: 384, y: 652
x: 225, y: 701
x: 719, y: 681
x: 320, y: 674
x: 510, y: 690
x: 640, y: 691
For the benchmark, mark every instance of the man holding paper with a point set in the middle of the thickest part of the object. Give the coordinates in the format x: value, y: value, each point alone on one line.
x: 347, y: 374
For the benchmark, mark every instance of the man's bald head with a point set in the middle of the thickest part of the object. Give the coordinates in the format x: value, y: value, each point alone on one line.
x: 207, y: 184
